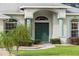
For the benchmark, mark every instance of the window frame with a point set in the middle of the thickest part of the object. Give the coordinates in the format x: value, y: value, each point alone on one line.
x: 40, y: 18
x: 9, y: 25
x: 74, y: 28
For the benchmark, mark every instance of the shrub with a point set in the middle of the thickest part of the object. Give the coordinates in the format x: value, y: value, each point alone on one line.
x: 37, y: 41
x: 14, y: 37
x: 20, y: 34
x: 74, y: 40
x: 30, y: 43
x: 7, y: 41
x: 55, y: 41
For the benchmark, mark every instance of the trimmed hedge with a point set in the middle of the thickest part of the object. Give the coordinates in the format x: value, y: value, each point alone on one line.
x: 25, y: 43
x: 37, y: 41
x: 74, y: 40
x: 55, y: 41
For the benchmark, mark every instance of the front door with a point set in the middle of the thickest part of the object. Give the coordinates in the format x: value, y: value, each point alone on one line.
x: 42, y: 32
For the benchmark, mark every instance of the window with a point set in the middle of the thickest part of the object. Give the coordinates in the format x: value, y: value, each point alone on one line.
x: 41, y: 18
x: 74, y: 28
x: 10, y: 24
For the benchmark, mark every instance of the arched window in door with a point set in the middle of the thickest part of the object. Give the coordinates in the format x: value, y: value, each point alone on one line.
x: 41, y: 18
x: 10, y: 24
x: 74, y: 28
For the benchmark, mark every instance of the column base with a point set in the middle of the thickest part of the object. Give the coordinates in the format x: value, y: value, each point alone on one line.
x: 64, y: 40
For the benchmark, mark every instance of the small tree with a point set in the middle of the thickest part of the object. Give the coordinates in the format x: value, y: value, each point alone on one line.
x: 20, y: 34
x: 14, y: 37
x: 7, y: 41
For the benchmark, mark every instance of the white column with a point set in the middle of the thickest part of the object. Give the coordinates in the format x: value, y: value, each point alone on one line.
x: 28, y: 24
x: 61, y: 17
x: 28, y: 15
x: 55, y: 27
x: 61, y: 32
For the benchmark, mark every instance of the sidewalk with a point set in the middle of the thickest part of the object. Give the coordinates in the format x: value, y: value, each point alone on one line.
x: 37, y: 47
x: 3, y: 51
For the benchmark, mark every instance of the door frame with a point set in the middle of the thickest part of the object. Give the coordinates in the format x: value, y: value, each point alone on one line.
x: 43, y: 21
x: 47, y: 27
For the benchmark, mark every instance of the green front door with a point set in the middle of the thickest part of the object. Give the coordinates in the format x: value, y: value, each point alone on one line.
x: 42, y: 32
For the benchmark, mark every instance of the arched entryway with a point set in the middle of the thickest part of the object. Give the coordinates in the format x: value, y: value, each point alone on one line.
x: 42, y: 21
x: 41, y: 29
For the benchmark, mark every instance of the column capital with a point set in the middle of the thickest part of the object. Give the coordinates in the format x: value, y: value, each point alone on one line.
x: 29, y: 18
x: 28, y: 13
x: 61, y: 13
x: 60, y: 18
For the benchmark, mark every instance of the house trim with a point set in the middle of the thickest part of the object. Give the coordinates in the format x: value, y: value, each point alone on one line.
x: 71, y: 14
x: 45, y: 7
x: 49, y: 22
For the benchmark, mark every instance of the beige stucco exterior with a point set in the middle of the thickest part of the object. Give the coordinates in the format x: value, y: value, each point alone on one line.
x: 1, y: 25
x: 58, y: 19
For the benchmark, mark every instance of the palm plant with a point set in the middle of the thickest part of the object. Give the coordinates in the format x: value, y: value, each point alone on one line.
x: 14, y: 37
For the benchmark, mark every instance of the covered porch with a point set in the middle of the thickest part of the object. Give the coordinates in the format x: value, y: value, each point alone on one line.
x: 45, y: 23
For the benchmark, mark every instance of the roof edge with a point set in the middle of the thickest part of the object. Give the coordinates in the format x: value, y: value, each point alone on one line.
x: 25, y: 7
x: 70, y: 14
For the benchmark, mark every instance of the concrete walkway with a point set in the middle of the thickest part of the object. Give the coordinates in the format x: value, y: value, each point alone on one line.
x: 3, y: 51
x: 37, y: 47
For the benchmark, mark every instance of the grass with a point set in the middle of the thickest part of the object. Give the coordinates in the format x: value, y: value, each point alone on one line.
x: 59, y: 50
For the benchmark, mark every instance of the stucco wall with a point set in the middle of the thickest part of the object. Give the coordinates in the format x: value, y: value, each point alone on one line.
x: 1, y: 25
x: 65, y: 24
x: 55, y: 27
x: 52, y: 19
x: 56, y: 32
x: 47, y: 14
x: 69, y: 18
x: 19, y: 18
x: 64, y: 38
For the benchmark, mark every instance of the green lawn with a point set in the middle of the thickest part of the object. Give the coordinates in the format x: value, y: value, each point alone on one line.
x: 56, y: 51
